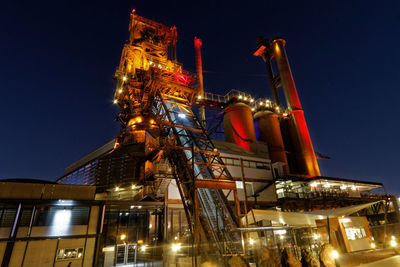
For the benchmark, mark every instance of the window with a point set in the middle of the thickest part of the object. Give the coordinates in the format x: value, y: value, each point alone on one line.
x: 69, y: 253
x: 47, y: 216
x: 7, y: 216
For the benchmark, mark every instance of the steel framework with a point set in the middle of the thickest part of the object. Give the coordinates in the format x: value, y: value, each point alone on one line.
x: 155, y: 96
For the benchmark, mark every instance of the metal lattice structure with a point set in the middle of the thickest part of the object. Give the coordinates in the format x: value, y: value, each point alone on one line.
x: 155, y: 96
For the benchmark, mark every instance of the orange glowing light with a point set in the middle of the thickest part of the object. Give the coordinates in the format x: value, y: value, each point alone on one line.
x: 139, y: 119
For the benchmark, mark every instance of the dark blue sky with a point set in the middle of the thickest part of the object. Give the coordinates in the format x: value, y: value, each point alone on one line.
x: 58, y: 58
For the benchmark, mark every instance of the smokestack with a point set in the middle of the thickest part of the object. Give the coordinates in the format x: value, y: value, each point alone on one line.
x: 197, y: 47
x: 294, y: 106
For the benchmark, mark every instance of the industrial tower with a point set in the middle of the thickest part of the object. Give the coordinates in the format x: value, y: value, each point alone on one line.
x: 155, y: 96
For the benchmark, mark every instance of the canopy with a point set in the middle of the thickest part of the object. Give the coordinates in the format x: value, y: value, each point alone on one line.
x: 345, y: 211
x: 301, y: 218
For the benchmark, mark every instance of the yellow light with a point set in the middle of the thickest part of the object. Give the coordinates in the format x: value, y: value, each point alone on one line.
x: 245, y: 98
x: 251, y: 100
x: 199, y: 97
x: 133, y: 186
x: 393, y: 238
x: 335, y: 254
x: 79, y: 255
x: 353, y: 187
x: 115, y: 101
x: 150, y: 225
x: 143, y: 248
x: 316, y: 236
x: 240, y: 97
x: 373, y: 245
x: 393, y: 243
x: 152, y: 121
x: 120, y: 91
x: 252, y: 109
x: 116, y: 188
x: 176, y: 247
x: 139, y: 119
x: 124, y: 78
x: 261, y: 103
x: 123, y: 236
x: 281, y: 237
x: 251, y: 241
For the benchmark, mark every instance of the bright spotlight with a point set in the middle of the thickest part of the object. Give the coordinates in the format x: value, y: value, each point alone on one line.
x: 181, y: 115
x: 251, y: 241
x: 176, y: 247
x: 373, y: 245
x: 393, y: 243
x: 143, y: 248
x: 335, y: 254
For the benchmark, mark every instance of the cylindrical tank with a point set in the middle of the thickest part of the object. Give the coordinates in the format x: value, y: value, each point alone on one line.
x: 239, y: 125
x: 268, y: 130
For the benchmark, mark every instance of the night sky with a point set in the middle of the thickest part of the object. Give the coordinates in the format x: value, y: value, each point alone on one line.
x: 58, y: 58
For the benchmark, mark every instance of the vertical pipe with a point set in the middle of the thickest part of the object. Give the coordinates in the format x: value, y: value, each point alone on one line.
x: 197, y: 46
x: 293, y: 103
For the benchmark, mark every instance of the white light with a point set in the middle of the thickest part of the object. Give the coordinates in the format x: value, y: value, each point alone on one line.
x: 199, y: 97
x: 373, y: 245
x: 335, y: 254
x: 281, y: 237
x: 281, y: 232
x: 251, y: 241
x: 313, y: 184
x: 284, y: 114
x: 133, y: 186
x: 175, y: 237
x: 61, y: 222
x: 353, y: 187
x: 240, y: 96
x: 124, y: 78
x: 261, y: 103
x: 251, y: 100
x: 176, y: 247
x: 346, y: 220
x: 143, y: 248
x: 393, y: 238
x: 252, y: 109
x: 245, y: 98
x: 139, y: 207
x: 120, y: 91
x: 393, y: 243
x: 316, y: 236
x: 126, y: 213
x: 343, y: 187
x: 150, y: 226
x: 132, y: 207
x: 115, y: 101
x: 282, y: 221
x: 327, y: 185
x: 181, y: 115
x: 116, y: 189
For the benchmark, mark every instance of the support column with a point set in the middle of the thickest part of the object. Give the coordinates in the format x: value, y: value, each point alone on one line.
x: 293, y: 103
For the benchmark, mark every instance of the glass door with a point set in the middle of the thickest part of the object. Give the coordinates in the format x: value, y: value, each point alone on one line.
x: 126, y: 254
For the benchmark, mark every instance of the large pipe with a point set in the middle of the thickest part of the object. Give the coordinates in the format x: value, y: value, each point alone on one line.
x: 197, y: 46
x: 294, y: 106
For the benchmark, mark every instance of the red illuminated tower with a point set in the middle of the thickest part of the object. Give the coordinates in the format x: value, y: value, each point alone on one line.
x: 302, y: 158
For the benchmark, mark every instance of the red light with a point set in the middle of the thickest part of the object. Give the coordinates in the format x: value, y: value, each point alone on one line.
x: 133, y: 10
